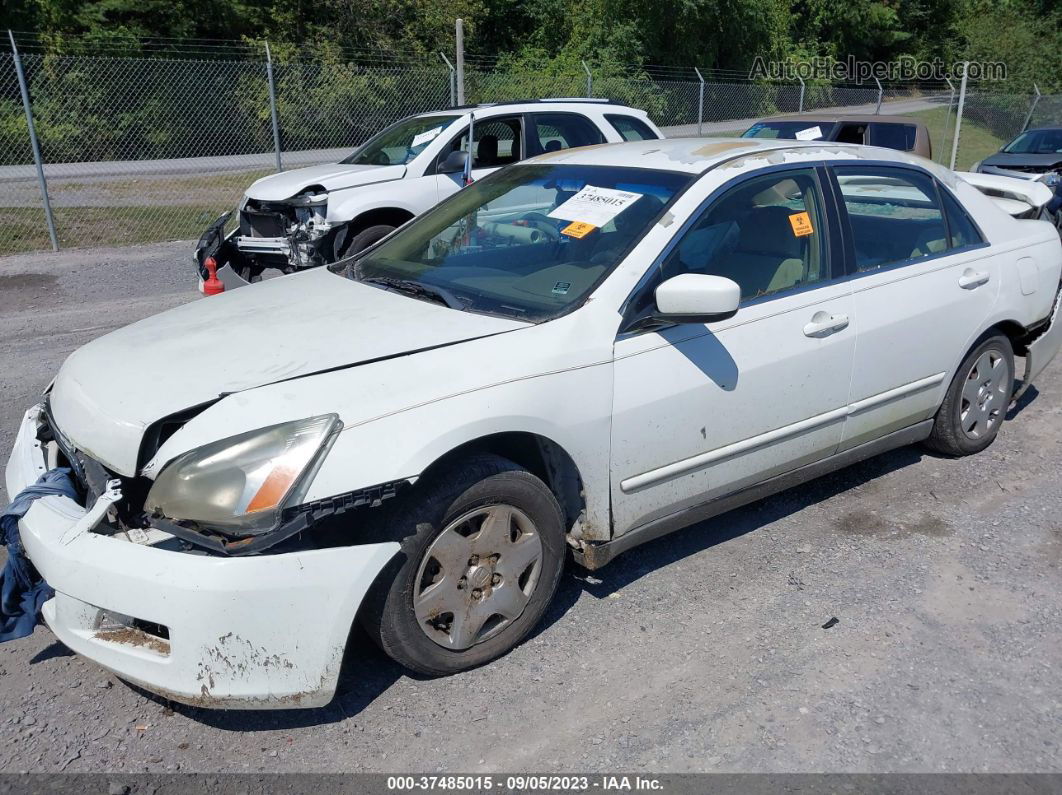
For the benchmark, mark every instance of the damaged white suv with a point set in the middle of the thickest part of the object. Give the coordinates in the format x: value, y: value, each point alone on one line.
x: 577, y: 354
x: 313, y: 216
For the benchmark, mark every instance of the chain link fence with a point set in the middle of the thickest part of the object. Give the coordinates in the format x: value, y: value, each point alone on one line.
x: 139, y: 150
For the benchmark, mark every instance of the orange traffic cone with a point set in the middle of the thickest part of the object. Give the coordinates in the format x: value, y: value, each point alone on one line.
x: 213, y: 285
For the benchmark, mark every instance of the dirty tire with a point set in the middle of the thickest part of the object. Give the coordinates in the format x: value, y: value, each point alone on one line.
x: 365, y: 238
x: 476, y: 486
x: 948, y: 435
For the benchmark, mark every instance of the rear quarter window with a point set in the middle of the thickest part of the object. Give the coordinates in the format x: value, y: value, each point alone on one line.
x: 893, y: 136
x: 631, y: 128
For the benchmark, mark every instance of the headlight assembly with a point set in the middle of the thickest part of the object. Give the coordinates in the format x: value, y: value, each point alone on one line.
x: 242, y: 483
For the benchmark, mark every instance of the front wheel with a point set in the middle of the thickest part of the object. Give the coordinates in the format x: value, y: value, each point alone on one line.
x: 976, y: 403
x: 483, y: 549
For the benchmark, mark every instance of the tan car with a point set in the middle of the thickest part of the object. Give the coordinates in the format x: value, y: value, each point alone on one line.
x: 905, y: 133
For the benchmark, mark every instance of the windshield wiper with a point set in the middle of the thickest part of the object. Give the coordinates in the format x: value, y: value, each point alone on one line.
x: 438, y: 295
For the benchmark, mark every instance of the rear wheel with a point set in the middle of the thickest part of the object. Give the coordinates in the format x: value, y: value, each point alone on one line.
x: 483, y: 549
x: 976, y: 403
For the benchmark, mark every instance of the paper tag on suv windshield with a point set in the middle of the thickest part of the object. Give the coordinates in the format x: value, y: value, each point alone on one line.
x: 578, y: 229
x: 810, y: 134
x: 424, y: 137
x: 801, y: 223
x: 595, y: 206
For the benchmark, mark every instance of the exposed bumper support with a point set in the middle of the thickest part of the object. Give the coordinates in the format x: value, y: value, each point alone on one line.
x: 1042, y: 350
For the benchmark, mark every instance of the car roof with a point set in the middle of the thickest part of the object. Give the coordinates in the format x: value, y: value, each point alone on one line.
x: 554, y: 103
x: 834, y: 117
x: 697, y: 155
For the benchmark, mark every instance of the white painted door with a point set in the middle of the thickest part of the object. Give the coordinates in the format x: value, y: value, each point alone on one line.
x: 925, y: 283
x: 701, y: 411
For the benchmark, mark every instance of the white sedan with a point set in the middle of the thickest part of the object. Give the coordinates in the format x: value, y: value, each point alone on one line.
x: 576, y: 354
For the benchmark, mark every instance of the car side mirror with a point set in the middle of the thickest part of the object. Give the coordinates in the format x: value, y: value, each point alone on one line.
x: 697, y: 298
x: 454, y: 163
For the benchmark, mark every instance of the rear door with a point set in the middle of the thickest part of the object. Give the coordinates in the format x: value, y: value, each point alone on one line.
x: 923, y: 282
x: 497, y: 141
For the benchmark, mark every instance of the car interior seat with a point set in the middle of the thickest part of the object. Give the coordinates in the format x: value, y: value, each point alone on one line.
x: 487, y: 151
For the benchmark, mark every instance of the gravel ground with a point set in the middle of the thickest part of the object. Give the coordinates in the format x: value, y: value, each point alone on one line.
x: 704, y: 651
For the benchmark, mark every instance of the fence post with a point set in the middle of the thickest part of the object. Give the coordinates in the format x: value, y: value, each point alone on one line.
x: 273, y: 106
x: 453, y: 79
x: 700, y: 101
x: 947, y: 115
x: 958, y: 115
x: 800, y: 109
x: 589, y: 79
x: 459, y: 34
x: 881, y: 93
x: 24, y: 89
x: 1032, y: 108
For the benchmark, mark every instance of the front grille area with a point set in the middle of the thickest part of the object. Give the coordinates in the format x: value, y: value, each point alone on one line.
x: 255, y: 222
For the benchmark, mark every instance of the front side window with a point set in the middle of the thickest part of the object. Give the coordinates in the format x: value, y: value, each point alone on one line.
x: 556, y: 131
x: 400, y: 142
x: 767, y: 234
x: 894, y: 215
x: 496, y: 142
x: 528, y: 242
x: 631, y: 128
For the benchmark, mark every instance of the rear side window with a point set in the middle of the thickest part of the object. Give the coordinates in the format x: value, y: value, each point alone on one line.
x: 961, y: 229
x: 894, y: 215
x: 893, y: 136
x: 558, y: 131
x: 631, y: 128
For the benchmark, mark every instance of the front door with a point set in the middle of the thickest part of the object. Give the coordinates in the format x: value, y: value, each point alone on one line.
x: 701, y: 411
x: 497, y: 142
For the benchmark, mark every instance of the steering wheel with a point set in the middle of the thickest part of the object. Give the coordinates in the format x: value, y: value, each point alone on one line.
x: 544, y: 224
x: 382, y: 159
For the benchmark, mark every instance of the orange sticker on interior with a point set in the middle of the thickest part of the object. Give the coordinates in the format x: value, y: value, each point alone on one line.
x: 578, y: 229
x: 801, y: 223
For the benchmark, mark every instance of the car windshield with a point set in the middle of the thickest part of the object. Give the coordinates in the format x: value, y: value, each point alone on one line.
x: 1036, y: 142
x: 528, y: 242
x: 802, y: 130
x: 401, y: 142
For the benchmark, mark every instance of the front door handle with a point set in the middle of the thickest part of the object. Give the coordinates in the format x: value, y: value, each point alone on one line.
x: 971, y: 279
x: 823, y: 324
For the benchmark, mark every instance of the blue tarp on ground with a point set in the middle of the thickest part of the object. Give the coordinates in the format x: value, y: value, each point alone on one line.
x: 22, y: 590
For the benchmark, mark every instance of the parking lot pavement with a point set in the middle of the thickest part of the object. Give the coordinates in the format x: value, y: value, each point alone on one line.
x: 702, y: 651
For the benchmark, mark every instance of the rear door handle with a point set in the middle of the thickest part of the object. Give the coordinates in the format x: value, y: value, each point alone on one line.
x: 971, y: 279
x: 823, y: 324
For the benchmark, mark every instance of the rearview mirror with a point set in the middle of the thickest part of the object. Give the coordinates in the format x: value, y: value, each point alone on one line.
x: 697, y: 298
x: 454, y: 163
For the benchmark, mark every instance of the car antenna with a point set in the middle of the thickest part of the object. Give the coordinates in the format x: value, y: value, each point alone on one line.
x: 468, y: 160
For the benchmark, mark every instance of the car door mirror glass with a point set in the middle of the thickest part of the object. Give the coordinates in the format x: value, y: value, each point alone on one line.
x: 697, y: 297
x: 454, y: 163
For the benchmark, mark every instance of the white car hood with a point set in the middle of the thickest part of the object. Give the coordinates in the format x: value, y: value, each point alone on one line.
x: 108, y: 392
x: 330, y: 176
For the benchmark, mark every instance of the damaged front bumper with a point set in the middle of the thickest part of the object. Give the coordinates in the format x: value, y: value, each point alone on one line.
x: 256, y: 632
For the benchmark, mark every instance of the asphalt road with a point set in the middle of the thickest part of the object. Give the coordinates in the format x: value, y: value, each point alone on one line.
x: 703, y: 651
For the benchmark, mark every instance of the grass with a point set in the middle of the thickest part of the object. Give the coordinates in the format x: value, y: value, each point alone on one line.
x: 80, y: 227
x: 976, y: 142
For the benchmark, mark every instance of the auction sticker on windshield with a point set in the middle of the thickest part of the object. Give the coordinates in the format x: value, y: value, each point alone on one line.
x: 810, y: 134
x: 595, y: 206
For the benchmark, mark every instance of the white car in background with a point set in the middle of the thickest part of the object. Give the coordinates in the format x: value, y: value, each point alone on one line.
x: 576, y: 354
x: 317, y: 215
